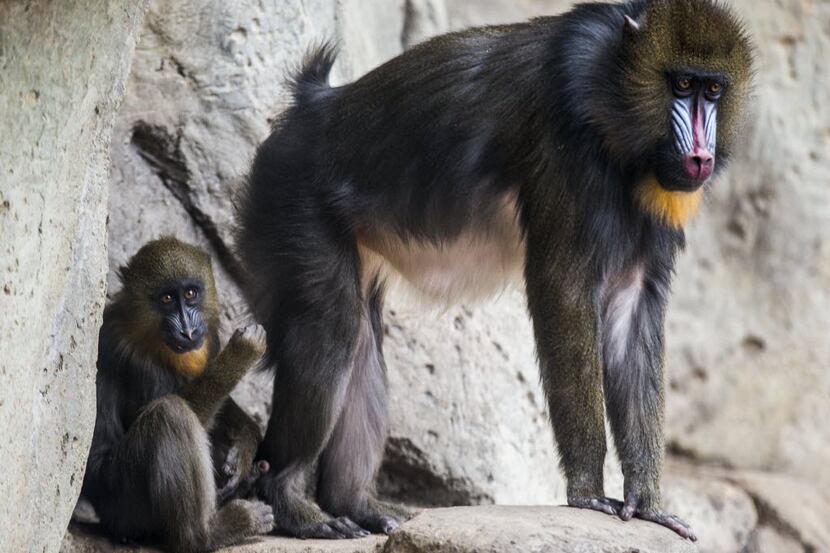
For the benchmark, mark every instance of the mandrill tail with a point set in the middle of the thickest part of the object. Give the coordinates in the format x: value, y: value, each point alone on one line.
x: 312, y: 78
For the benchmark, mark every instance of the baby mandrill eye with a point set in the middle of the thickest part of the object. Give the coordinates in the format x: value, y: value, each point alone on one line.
x: 190, y: 294
x: 167, y: 299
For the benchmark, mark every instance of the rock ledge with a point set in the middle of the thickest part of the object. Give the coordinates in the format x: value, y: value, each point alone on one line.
x: 492, y: 529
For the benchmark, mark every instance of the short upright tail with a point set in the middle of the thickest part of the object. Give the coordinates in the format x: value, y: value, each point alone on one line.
x: 313, y: 75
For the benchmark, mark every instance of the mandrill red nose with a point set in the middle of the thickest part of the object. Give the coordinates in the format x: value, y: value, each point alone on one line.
x: 699, y: 165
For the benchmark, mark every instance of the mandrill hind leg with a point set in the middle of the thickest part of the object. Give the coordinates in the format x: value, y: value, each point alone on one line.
x: 161, y: 479
x: 311, y: 341
x: 349, y: 463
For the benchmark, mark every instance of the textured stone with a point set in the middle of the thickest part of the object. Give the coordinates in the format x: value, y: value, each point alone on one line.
x: 722, y: 514
x: 493, y: 12
x: 799, y: 509
x: 82, y: 540
x: 62, y: 71
x: 498, y: 529
x: 467, y: 409
x: 495, y: 529
x: 766, y: 539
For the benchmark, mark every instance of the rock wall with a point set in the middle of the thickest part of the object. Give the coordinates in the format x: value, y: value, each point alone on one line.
x: 63, y: 66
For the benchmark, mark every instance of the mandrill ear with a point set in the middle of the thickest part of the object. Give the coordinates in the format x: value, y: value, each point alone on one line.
x: 123, y: 273
x: 630, y: 26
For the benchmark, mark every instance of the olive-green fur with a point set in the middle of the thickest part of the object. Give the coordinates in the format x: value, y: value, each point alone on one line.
x: 676, y: 35
x: 156, y: 264
x: 568, y: 342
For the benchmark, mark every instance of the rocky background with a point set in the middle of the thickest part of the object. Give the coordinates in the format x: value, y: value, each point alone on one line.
x: 63, y: 68
x: 748, y: 354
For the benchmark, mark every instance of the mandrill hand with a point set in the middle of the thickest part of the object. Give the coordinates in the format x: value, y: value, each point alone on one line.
x: 248, y: 344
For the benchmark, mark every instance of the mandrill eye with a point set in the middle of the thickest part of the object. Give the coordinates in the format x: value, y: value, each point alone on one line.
x: 167, y: 299
x: 714, y: 90
x: 682, y: 86
x: 190, y: 294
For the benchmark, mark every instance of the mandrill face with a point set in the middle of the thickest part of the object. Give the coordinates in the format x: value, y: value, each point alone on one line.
x: 180, y: 305
x: 170, y: 295
x: 687, y: 158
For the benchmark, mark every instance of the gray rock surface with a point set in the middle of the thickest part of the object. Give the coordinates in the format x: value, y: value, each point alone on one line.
x: 468, y: 414
x: 766, y: 539
x: 731, y: 511
x: 797, y: 509
x: 721, y: 513
x: 82, y: 540
x: 494, y: 529
x: 499, y: 528
x: 63, y: 66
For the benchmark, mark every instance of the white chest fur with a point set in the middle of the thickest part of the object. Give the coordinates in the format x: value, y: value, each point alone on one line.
x: 476, y: 263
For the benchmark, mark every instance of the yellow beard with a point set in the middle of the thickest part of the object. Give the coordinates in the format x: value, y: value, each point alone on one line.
x: 673, y: 208
x: 190, y: 364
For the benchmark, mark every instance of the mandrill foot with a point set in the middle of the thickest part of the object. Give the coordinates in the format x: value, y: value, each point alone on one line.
x: 381, y: 517
x: 668, y: 520
x: 632, y: 509
x: 629, y: 510
x: 333, y: 529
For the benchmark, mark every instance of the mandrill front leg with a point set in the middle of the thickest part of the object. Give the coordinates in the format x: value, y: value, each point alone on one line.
x: 629, y: 331
x: 566, y: 336
x: 633, y: 306
x: 206, y: 394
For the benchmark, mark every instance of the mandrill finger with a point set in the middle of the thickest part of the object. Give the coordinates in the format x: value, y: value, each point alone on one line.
x: 319, y: 530
x: 670, y: 521
x: 602, y: 504
x: 632, y: 501
x: 614, y: 504
x: 349, y: 529
x: 354, y: 527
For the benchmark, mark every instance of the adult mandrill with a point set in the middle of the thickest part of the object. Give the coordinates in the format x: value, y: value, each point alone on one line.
x: 163, y: 410
x: 572, y: 148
